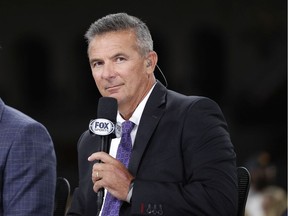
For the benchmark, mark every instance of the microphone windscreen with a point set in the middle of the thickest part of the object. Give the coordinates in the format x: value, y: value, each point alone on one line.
x: 107, y: 108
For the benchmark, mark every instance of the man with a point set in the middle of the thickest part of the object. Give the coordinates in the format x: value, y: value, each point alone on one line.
x: 27, y: 165
x: 182, y: 162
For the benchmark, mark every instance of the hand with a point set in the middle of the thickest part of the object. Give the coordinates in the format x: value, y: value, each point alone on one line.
x: 111, y: 174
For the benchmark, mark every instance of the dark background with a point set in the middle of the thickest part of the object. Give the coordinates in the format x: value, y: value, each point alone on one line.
x: 231, y: 51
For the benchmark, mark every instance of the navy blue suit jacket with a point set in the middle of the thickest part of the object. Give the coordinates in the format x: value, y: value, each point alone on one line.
x: 183, y: 161
x: 27, y: 165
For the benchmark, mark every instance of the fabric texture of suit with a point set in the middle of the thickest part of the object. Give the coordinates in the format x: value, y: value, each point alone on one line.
x: 27, y: 165
x: 183, y: 161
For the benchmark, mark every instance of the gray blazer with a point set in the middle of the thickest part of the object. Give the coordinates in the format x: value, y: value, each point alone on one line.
x: 27, y: 165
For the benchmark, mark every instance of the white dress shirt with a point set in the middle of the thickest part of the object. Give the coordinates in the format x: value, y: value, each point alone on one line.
x: 135, y: 118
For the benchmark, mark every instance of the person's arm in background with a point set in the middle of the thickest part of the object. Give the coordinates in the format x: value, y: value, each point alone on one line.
x: 29, y: 179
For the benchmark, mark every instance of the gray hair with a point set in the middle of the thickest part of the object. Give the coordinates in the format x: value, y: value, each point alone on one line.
x: 122, y: 21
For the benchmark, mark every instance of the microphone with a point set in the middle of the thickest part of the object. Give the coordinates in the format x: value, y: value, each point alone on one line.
x: 104, y: 126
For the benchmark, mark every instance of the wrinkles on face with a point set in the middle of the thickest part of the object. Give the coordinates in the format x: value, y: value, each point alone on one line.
x: 119, y: 70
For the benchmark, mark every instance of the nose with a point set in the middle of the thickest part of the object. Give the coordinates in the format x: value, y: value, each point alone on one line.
x: 108, y: 71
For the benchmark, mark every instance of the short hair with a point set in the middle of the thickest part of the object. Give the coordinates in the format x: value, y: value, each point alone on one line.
x: 119, y: 22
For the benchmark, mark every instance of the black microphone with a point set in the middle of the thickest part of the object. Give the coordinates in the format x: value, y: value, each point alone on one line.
x: 104, y: 126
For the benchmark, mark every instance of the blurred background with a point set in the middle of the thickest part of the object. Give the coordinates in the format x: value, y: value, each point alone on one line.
x: 234, y: 52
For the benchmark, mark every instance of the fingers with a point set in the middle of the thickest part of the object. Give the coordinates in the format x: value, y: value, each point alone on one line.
x: 102, y: 156
x: 105, y: 170
x: 111, y: 174
x: 100, y: 174
x: 95, y: 176
x: 94, y: 156
x: 97, y: 171
x: 96, y: 187
x: 106, y: 164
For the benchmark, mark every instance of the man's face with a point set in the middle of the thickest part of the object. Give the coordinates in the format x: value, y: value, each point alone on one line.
x: 118, y: 68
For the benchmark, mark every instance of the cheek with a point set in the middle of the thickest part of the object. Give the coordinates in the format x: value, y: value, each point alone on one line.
x: 96, y: 76
x: 139, y: 78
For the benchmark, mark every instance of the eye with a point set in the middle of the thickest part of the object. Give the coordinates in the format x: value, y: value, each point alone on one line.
x: 119, y: 59
x: 96, y: 64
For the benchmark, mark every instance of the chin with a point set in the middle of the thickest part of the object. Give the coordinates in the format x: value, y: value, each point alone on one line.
x: 113, y: 96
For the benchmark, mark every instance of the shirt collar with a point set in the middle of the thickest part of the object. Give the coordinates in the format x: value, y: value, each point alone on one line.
x: 136, y: 116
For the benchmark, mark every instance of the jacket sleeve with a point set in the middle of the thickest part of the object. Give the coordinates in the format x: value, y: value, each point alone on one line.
x: 30, y: 173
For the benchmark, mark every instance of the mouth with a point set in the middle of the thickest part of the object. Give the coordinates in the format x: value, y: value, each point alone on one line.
x: 113, y: 88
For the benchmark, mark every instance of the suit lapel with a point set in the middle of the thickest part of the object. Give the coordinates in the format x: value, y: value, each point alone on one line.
x: 152, y: 113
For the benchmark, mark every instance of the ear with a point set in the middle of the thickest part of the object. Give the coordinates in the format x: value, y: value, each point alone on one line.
x: 151, y: 61
x: 148, y: 63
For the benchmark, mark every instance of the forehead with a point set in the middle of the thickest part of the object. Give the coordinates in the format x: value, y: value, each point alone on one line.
x: 114, y: 39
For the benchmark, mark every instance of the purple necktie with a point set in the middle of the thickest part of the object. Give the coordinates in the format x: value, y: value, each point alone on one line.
x: 112, y: 205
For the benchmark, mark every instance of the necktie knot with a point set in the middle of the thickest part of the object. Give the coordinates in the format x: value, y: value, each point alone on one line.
x: 127, y: 127
x: 126, y: 142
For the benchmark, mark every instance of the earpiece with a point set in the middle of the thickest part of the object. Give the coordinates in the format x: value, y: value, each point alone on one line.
x: 148, y: 63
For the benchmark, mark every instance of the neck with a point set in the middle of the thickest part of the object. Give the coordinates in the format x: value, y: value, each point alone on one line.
x: 127, y: 110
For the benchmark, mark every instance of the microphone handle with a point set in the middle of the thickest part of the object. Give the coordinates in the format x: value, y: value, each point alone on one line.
x: 105, y: 147
x: 100, y: 196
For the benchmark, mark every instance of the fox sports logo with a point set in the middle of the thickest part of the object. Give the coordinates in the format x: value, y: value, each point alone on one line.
x: 101, y: 126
